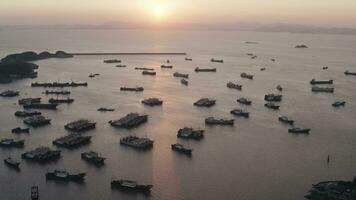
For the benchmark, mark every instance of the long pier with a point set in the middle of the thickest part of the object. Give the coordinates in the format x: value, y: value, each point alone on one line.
x: 133, y: 54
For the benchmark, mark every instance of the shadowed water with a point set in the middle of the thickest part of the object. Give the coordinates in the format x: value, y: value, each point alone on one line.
x: 255, y: 159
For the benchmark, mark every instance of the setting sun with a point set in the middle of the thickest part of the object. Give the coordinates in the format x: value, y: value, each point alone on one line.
x: 157, y: 11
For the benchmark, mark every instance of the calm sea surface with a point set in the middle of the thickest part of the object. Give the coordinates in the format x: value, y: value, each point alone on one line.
x: 257, y: 159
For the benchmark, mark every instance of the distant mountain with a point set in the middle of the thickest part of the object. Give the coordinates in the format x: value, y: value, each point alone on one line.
x: 291, y: 28
x: 306, y: 29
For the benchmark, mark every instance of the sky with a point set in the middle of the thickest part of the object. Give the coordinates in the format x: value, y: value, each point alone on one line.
x: 336, y: 13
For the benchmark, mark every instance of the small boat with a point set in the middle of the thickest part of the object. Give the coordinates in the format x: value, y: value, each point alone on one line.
x: 61, y: 92
x: 120, y: 66
x: 149, y: 73
x: 26, y: 113
x: 272, y: 106
x: 190, y: 133
x: 93, y: 75
x: 57, y: 101
x: 217, y: 60
x: 301, y: 46
x: 254, y: 57
x: 34, y: 193
x: 11, y: 163
x: 322, y: 89
x: 181, y: 149
x: 325, y: 68
x: 263, y: 69
x: 247, y: 76
x: 152, y: 102
x: 29, y: 101
x: 215, y: 121
x: 133, y: 89
x: 347, y: 72
x: 239, y: 112
x: 286, y: 120
x: 136, y: 142
x: 112, y: 61
x: 188, y: 59
x: 273, y: 60
x: 234, y: 86
x: 167, y: 66
x: 62, y: 175
x: 106, y: 109
x: 20, y: 130
x: 273, y: 97
x: 299, y: 130
x: 9, y: 93
x: 279, y: 88
x: 93, y: 157
x: 338, y: 103
x: 37, y: 120
x: 315, y: 82
x: 197, y: 69
x: 184, y: 82
x: 6, y: 143
x: 205, y: 102
x: 130, y: 186
x: 144, y: 68
x: 180, y: 75
x: 244, y: 101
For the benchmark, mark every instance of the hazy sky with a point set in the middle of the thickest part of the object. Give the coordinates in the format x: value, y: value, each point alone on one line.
x: 316, y: 12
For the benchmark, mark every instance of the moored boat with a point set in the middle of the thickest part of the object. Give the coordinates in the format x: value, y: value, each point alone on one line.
x: 20, y: 130
x: 152, y: 73
x: 57, y: 101
x: 144, y: 68
x: 73, y: 140
x: 106, y: 109
x: 190, y: 133
x: 42, y: 154
x: 130, y: 185
x: 167, y: 66
x: 152, y: 102
x: 205, y: 102
x: 273, y: 97
x: 133, y: 89
x: 60, y: 92
x: 286, y: 120
x: 136, y: 142
x: 234, y: 86
x: 131, y: 120
x: 180, y: 75
x: 244, y: 101
x: 29, y: 101
x: 315, y: 82
x: 322, y: 89
x: 181, y: 149
x: 347, y: 72
x: 197, y: 69
x: 93, y: 157
x: 112, y: 61
x: 37, y: 120
x: 184, y: 82
x: 239, y: 112
x: 12, y: 143
x: 9, y: 93
x: 12, y: 163
x: 299, y: 130
x: 272, y: 106
x: 217, y: 60
x: 26, y: 113
x: 62, y: 175
x: 338, y: 103
x: 220, y: 121
x: 80, y: 125
x: 48, y: 106
x: 247, y: 76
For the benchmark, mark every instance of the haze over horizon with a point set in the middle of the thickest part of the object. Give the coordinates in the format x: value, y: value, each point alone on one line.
x: 309, y: 12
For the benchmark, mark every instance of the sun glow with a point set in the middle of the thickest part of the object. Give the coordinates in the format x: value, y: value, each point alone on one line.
x: 157, y: 11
